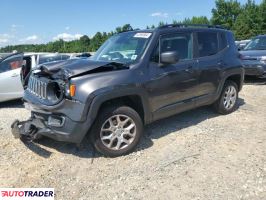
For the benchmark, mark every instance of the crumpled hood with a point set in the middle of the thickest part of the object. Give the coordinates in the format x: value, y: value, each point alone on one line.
x: 253, y: 53
x: 75, y: 67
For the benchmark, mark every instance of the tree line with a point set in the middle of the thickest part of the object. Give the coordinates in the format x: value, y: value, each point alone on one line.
x: 245, y: 20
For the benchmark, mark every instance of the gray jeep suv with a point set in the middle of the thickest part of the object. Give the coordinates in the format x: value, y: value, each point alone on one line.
x: 134, y: 79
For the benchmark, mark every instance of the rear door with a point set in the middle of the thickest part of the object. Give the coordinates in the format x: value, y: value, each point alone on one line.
x: 10, y: 83
x: 210, y: 64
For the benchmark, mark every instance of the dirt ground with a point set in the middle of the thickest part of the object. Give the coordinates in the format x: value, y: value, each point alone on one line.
x: 194, y: 155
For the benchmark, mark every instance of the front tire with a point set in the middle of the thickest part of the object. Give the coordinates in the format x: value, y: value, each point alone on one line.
x: 227, y: 102
x: 117, y: 131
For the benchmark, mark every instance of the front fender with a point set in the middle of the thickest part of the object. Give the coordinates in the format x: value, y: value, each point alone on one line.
x: 104, y: 95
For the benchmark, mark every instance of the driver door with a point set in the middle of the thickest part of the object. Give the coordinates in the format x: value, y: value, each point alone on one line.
x: 173, y: 87
x: 10, y: 83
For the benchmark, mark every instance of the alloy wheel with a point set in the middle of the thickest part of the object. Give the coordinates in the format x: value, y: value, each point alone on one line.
x: 230, y: 97
x: 118, y: 132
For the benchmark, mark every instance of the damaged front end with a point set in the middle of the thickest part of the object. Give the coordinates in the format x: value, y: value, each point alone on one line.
x: 36, y: 127
x: 26, y: 129
x: 57, y: 111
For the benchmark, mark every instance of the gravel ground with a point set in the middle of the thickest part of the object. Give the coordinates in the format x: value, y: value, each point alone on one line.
x: 194, y: 155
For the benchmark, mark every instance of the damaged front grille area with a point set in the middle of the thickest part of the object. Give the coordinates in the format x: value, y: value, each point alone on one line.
x: 37, y: 87
x: 49, y: 92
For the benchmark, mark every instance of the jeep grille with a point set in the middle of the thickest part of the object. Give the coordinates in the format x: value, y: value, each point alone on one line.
x: 37, y: 87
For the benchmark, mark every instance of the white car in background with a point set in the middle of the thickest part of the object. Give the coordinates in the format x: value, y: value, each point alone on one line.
x: 10, y: 84
x: 32, y: 60
x: 10, y: 69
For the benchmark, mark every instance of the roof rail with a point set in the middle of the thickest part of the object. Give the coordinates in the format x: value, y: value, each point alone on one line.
x: 191, y: 25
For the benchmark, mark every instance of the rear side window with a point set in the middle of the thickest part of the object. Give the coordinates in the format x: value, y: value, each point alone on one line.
x: 207, y: 44
x: 222, y: 41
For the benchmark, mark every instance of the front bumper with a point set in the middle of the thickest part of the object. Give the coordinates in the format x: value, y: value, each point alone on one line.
x: 20, y: 129
x: 40, y: 125
x: 69, y: 121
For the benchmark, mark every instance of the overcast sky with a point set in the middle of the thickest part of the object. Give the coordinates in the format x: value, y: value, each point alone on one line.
x: 41, y: 21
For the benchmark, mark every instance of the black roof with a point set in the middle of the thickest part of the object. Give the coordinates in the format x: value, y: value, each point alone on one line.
x: 182, y: 26
x: 192, y: 26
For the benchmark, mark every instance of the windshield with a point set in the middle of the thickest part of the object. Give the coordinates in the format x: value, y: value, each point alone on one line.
x: 124, y: 48
x: 257, y: 44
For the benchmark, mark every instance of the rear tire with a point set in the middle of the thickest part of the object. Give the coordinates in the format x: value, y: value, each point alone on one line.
x: 116, y: 131
x: 227, y: 103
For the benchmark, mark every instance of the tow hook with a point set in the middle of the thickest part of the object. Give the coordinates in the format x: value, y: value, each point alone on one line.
x: 23, y: 129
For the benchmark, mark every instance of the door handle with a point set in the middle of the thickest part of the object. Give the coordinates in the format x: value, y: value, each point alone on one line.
x: 189, y: 69
x: 14, y: 75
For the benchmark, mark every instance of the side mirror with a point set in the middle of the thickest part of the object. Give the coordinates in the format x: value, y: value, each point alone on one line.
x: 169, y: 57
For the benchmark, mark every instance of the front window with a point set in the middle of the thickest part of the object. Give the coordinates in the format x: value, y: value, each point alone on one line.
x: 181, y: 43
x: 124, y: 48
x: 258, y: 43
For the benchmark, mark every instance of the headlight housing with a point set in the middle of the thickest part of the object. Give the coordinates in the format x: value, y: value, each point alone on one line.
x: 54, y: 92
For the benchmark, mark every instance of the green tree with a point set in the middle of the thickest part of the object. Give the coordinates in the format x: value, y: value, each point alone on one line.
x: 118, y: 29
x: 200, y: 20
x: 96, y: 41
x: 225, y: 13
x: 186, y: 21
x: 161, y: 24
x: 85, y: 40
x: 127, y: 27
x: 262, y: 14
x: 249, y: 22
